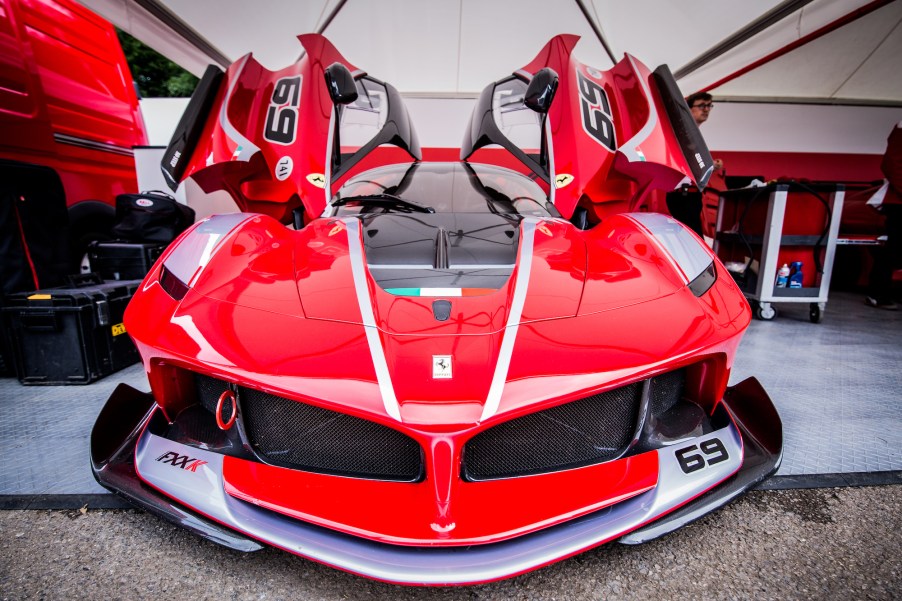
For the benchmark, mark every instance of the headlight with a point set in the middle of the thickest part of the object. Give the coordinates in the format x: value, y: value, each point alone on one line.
x: 187, y: 260
x: 691, y: 258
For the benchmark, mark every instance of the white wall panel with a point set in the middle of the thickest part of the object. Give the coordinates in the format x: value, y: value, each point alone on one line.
x: 799, y: 128
x: 161, y: 115
x: 749, y: 127
x: 147, y: 168
x: 440, y: 123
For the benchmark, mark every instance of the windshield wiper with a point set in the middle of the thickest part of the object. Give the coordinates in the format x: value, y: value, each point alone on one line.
x: 384, y: 199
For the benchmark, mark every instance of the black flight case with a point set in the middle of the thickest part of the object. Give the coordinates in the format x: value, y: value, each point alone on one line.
x: 70, y: 335
x: 123, y: 260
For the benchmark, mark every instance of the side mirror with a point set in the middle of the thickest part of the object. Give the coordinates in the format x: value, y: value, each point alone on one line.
x: 540, y: 91
x: 341, y: 84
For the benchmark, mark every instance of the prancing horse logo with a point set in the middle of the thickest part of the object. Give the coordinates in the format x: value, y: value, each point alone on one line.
x: 317, y: 179
x: 562, y: 180
x: 441, y: 366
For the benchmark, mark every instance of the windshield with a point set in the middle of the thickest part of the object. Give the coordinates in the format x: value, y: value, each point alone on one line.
x: 444, y: 187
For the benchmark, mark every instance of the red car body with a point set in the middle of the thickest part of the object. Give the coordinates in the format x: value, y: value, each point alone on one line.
x: 445, y: 373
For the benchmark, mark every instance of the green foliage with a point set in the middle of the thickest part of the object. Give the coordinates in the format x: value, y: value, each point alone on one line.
x: 156, y: 75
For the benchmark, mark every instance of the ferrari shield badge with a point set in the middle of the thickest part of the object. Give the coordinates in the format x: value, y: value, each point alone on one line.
x: 441, y: 366
x: 317, y: 179
x: 562, y: 180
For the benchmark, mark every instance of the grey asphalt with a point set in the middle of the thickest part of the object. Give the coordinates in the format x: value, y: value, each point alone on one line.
x: 825, y: 543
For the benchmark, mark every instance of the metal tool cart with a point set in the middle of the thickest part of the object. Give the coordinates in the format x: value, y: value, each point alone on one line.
x: 760, y: 229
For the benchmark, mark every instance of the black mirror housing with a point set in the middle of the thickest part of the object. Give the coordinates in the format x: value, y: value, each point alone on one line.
x: 340, y: 83
x: 541, y: 90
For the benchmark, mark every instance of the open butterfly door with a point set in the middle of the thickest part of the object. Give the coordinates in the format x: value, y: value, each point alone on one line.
x: 608, y: 139
x: 277, y: 140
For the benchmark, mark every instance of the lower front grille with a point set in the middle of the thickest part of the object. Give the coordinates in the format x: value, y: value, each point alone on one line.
x: 592, y: 430
x: 583, y: 432
x: 296, y: 435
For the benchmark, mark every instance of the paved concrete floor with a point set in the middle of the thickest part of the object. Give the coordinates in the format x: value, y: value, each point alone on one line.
x: 843, y: 543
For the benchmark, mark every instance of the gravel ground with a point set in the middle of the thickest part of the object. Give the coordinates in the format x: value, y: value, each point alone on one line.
x: 828, y: 543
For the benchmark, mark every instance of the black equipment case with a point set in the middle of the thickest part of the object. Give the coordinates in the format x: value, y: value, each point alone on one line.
x: 70, y: 335
x: 123, y: 260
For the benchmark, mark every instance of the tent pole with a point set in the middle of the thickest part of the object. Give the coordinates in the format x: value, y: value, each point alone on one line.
x: 598, y: 34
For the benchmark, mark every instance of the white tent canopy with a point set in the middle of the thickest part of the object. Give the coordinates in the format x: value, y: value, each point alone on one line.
x: 772, y: 60
x: 828, y: 51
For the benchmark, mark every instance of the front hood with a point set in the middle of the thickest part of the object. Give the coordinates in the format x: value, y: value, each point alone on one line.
x: 398, y: 266
x: 389, y: 270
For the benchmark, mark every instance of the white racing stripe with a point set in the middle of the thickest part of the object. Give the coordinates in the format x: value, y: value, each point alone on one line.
x: 358, y: 270
x: 377, y: 352
x: 630, y: 147
x: 527, y: 239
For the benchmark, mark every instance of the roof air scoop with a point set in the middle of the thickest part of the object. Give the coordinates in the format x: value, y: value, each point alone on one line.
x: 441, y: 249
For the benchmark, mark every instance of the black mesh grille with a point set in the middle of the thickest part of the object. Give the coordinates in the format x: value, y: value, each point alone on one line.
x: 209, y: 390
x: 666, y: 390
x: 583, y: 432
x: 300, y: 436
x: 195, y: 426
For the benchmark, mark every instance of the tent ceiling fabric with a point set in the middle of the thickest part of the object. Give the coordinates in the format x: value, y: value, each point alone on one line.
x: 455, y: 48
x: 822, y: 68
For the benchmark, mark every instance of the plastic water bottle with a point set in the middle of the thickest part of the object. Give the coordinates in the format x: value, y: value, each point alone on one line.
x: 783, y: 276
x: 795, y: 280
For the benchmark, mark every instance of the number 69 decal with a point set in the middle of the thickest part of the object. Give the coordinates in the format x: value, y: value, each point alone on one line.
x: 692, y: 461
x: 282, y: 114
x: 596, y: 112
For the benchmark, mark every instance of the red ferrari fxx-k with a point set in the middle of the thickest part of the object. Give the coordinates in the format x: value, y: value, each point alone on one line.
x: 436, y: 372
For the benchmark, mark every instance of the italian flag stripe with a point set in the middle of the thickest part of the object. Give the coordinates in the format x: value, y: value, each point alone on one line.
x: 439, y: 291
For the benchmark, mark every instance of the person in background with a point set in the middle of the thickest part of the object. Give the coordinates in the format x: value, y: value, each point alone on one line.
x: 888, y: 258
x: 687, y: 204
x: 700, y: 105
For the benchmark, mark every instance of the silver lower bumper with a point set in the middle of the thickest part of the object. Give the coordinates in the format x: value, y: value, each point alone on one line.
x: 202, y: 489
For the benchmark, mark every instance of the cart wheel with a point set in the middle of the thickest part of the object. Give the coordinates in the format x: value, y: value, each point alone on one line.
x: 765, y: 311
x: 814, y: 313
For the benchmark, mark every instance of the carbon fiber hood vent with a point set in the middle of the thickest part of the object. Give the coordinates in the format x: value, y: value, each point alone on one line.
x: 441, y: 250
